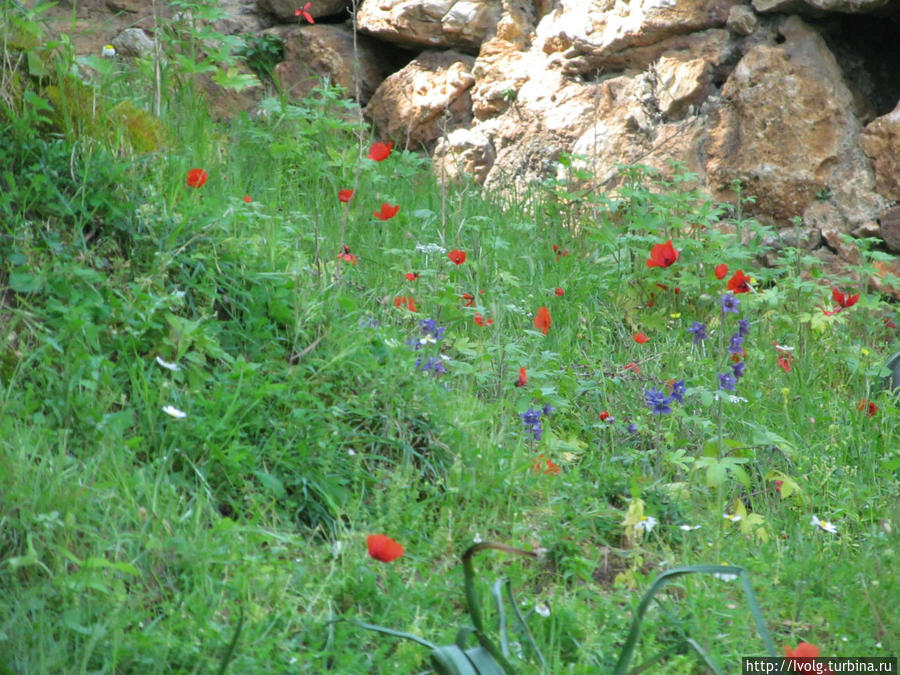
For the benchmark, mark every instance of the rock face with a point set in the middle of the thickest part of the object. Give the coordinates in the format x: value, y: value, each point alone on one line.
x: 881, y: 143
x: 430, y: 24
x: 327, y: 51
x: 429, y: 96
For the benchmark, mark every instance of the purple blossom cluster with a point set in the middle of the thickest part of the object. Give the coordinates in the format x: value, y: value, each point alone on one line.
x: 532, y: 420
x: 659, y: 403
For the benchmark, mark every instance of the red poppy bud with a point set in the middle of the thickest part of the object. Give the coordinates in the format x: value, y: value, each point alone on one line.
x: 383, y: 548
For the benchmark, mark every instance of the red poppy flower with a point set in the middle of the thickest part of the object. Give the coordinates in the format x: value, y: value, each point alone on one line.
x: 866, y: 406
x: 888, y: 323
x: 538, y: 462
x: 778, y: 484
x: 248, y: 198
x: 380, y: 151
x: 662, y: 286
x: 387, y: 212
x: 542, y: 320
x: 345, y: 195
x: 634, y: 368
x: 785, y: 359
x: 383, y: 548
x: 523, y: 377
x: 196, y: 178
x: 739, y: 283
x: 559, y: 252
x: 402, y: 300
x: 458, y: 257
x: 411, y: 276
x: 662, y: 255
x: 559, y: 292
x: 844, y: 300
x: 804, y: 650
x: 721, y: 271
x: 304, y: 12
x: 640, y: 338
x: 348, y: 257
x: 468, y: 299
x: 604, y: 416
x: 481, y: 321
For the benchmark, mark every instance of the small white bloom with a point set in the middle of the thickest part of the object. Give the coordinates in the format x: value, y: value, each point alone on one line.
x: 784, y: 348
x: 430, y: 248
x: 108, y: 51
x: 174, y: 367
x: 647, y: 523
x: 725, y: 576
x: 824, y: 524
x: 688, y: 528
x: 737, y: 399
x: 428, y: 340
x: 174, y: 412
x: 351, y: 452
x: 336, y: 547
x: 477, y: 538
x: 542, y: 609
x: 733, y: 517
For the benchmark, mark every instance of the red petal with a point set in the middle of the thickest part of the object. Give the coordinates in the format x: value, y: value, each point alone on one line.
x: 542, y: 320
x: 383, y: 548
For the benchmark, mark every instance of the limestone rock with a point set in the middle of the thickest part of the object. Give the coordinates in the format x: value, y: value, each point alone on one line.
x: 326, y: 51
x: 611, y: 29
x: 431, y: 94
x: 890, y: 228
x: 133, y: 42
x: 283, y: 10
x: 463, y: 154
x: 741, y: 20
x: 880, y: 141
x: 819, y: 7
x: 681, y: 83
x: 787, y: 131
x: 456, y: 24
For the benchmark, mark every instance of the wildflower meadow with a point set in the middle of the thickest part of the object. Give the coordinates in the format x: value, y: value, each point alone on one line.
x: 265, y: 381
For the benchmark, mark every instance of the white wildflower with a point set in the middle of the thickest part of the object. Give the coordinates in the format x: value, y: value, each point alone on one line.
x: 174, y: 412
x: 824, y: 524
x: 542, y: 609
x: 733, y: 517
x: 688, y: 528
x: 430, y: 248
x: 174, y: 367
x: 647, y: 523
x: 108, y: 51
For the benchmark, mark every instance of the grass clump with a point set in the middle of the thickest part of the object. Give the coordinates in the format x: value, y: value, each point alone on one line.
x: 212, y: 393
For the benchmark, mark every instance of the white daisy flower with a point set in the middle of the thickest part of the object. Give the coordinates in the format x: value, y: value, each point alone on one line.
x: 824, y: 524
x: 108, y: 51
x: 542, y: 609
x: 174, y: 412
x: 647, y: 523
x: 733, y: 517
x: 174, y: 367
x: 688, y: 528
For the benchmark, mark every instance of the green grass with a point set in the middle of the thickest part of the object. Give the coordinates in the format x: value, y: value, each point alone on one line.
x: 131, y: 541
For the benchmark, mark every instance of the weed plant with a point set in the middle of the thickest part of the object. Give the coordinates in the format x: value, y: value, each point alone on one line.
x: 216, y: 384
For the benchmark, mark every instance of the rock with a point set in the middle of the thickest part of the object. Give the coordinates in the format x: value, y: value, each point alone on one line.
x: 681, y: 83
x: 326, y: 51
x: 880, y: 141
x: 454, y: 24
x: 819, y: 7
x: 463, y: 154
x: 429, y: 96
x: 741, y: 20
x: 611, y: 29
x: 283, y: 10
x: 890, y: 228
x: 133, y: 42
x: 787, y: 131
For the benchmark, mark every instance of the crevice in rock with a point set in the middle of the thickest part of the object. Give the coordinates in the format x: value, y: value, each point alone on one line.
x: 865, y: 47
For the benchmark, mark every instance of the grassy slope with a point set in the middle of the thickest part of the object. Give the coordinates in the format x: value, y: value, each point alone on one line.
x: 131, y: 540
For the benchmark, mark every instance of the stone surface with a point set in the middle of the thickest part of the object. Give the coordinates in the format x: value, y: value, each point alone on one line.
x: 463, y: 155
x: 820, y: 7
x: 741, y: 20
x: 890, y: 228
x: 435, y: 24
x: 283, y: 10
x: 133, y: 42
x: 787, y: 131
x: 327, y: 51
x: 880, y: 141
x: 417, y: 104
x: 681, y: 83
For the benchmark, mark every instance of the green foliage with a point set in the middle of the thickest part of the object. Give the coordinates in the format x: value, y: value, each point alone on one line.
x: 262, y: 53
x: 315, y: 410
